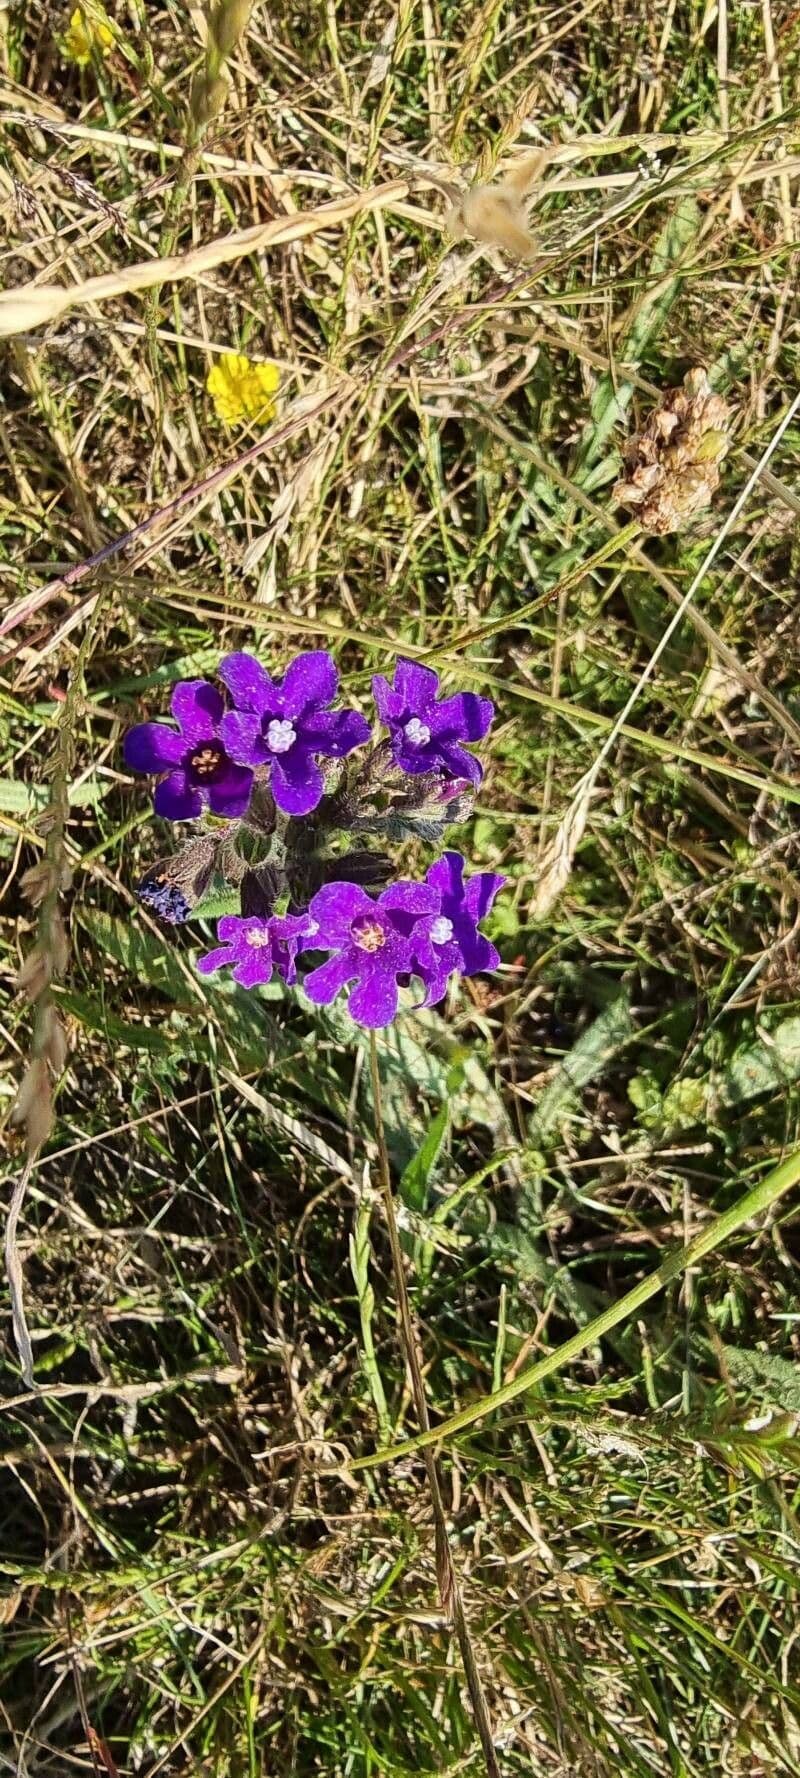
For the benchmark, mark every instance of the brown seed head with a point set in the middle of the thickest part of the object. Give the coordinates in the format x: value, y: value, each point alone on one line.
x: 33, y: 1105
x: 672, y: 465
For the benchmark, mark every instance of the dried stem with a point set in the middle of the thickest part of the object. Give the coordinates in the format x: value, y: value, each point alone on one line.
x: 44, y: 884
x: 227, y: 22
x: 449, y: 1589
x: 22, y: 1338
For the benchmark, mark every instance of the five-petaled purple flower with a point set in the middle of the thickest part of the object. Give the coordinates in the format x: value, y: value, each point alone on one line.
x: 371, y: 944
x: 427, y: 731
x: 257, y: 947
x: 200, y: 772
x: 449, y: 940
x: 288, y: 725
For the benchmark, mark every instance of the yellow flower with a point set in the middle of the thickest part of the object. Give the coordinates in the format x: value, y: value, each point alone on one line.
x: 241, y: 390
x: 87, y: 35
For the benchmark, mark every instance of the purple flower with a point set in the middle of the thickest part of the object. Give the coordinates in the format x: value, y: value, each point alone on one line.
x: 256, y: 947
x: 200, y: 772
x: 371, y: 945
x: 449, y: 940
x: 427, y: 731
x: 288, y: 725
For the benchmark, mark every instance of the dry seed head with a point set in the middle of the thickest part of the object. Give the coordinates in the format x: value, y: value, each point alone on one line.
x: 34, y: 974
x: 495, y: 215
x: 33, y: 1106
x: 672, y: 465
x: 52, y: 1040
x: 58, y: 944
x: 37, y: 881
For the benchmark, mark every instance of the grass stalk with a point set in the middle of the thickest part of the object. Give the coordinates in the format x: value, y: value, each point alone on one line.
x: 754, y: 1203
x: 449, y: 1589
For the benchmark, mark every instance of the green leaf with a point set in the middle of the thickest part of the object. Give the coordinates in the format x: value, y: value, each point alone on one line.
x: 766, y: 1374
x: 119, y: 1033
x: 766, y: 1066
x: 594, y: 1049
x: 218, y: 903
x: 146, y: 958
x: 416, y: 1176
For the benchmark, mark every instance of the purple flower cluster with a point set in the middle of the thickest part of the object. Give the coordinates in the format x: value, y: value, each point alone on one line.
x: 283, y: 728
x: 260, y: 761
x: 425, y: 929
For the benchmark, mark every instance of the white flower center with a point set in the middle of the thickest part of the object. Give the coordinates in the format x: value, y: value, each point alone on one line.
x: 312, y: 927
x: 280, y: 735
x: 369, y: 935
x: 441, y: 930
x: 259, y: 939
x: 417, y: 732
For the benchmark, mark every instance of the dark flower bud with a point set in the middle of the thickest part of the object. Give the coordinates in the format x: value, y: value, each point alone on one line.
x: 262, y: 814
x: 260, y: 890
x: 366, y: 868
x: 175, y: 885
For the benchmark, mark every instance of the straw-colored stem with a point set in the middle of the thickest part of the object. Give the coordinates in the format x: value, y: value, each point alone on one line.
x: 449, y: 1588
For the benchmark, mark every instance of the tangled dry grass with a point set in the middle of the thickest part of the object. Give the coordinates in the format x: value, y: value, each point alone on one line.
x: 480, y: 245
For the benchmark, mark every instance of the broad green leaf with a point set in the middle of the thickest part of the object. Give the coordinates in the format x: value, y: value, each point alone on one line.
x: 95, y: 1015
x: 768, y: 1065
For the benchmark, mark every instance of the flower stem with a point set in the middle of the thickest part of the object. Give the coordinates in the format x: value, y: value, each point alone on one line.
x: 449, y: 1590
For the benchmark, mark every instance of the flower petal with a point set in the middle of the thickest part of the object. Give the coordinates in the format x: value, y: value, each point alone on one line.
x: 323, y: 984
x: 417, y: 686
x: 216, y: 959
x: 240, y: 733
x: 230, y: 794
x: 410, y: 898
x: 297, y: 782
x: 374, y: 1001
x: 447, y: 876
x: 436, y: 985
x: 334, y: 908
x: 176, y: 799
x: 230, y: 926
x: 153, y: 747
x: 477, y: 953
x: 481, y: 891
x: 256, y: 969
x: 309, y: 679
x: 388, y: 702
x: 197, y: 708
x: 249, y: 683
x: 335, y: 732
x: 456, y: 760
x: 414, y: 760
x: 465, y: 717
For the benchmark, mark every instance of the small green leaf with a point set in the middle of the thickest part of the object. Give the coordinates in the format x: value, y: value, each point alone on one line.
x: 416, y: 1177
